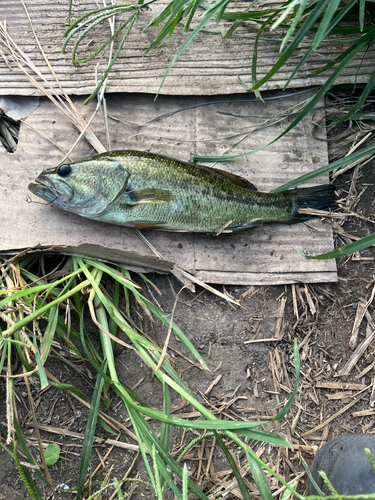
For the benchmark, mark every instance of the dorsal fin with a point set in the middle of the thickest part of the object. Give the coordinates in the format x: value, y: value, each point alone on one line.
x: 233, y: 178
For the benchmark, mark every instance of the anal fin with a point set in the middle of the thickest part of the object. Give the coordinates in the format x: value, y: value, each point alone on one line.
x: 142, y: 224
x: 247, y: 225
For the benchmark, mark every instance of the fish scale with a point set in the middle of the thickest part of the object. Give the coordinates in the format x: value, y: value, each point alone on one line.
x: 142, y: 189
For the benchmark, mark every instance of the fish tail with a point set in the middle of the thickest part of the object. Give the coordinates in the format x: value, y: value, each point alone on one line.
x: 316, y: 197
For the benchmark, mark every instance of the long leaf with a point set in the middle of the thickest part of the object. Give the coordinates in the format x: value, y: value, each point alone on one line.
x: 325, y: 22
x: 330, y: 29
x: 49, y: 334
x: 208, y: 15
x: 299, y: 36
x: 26, y: 451
x: 150, y: 438
x: 361, y: 101
x: 264, y: 436
x: 175, y: 14
x: 357, y: 155
x: 259, y: 478
x: 23, y: 322
x: 165, y: 429
x: 89, y: 434
x: 356, y: 246
x: 233, y: 465
x: 362, y: 4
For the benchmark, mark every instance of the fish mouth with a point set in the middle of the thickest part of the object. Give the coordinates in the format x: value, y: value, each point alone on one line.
x: 45, y: 188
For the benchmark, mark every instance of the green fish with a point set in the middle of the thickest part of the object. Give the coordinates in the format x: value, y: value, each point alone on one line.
x: 145, y: 190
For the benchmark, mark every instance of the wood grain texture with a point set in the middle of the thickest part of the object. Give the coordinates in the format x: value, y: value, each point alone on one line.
x: 210, y: 65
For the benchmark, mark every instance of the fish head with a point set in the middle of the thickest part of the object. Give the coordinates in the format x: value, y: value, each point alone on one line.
x: 86, y: 188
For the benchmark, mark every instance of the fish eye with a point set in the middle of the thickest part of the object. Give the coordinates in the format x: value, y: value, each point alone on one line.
x: 64, y: 170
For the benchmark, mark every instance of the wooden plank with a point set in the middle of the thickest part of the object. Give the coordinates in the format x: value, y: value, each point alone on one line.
x: 233, y: 278
x: 211, y: 65
x: 264, y: 255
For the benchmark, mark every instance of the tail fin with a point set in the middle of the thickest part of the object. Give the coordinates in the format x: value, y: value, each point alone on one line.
x: 316, y: 197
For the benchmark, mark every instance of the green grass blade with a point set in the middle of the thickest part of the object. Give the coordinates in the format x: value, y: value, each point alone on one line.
x: 116, y: 302
x: 295, y: 5
x: 41, y: 372
x: 191, y: 11
x: 237, y: 23
x: 76, y: 61
x: 236, y: 472
x: 146, y: 438
x: 144, y: 443
x: 185, y: 483
x: 362, y: 5
x: 106, y: 342
x: 331, y: 28
x: 115, y: 56
x: 97, y: 367
x: 13, y: 296
x: 250, y: 16
x: 176, y: 14
x: 61, y: 329
x: 165, y: 428
x: 308, y: 472
x: 255, y: 54
x: 356, y: 246
x: 259, y: 478
x: 23, y: 322
x: 298, y: 6
x: 150, y: 438
x: 20, y: 353
x: 325, y: 22
x: 357, y: 45
x: 2, y: 359
x: 221, y: 11
x: 171, y: 10
x: 49, y: 334
x: 329, y: 82
x: 299, y: 36
x: 118, y: 276
x: 26, y: 451
x: 265, y: 437
x: 361, y: 101
x: 211, y: 12
x: 25, y: 475
x: 158, y: 313
x: 89, y: 433
x: 357, y: 155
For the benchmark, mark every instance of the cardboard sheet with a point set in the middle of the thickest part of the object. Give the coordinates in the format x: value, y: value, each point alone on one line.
x: 210, y: 65
x: 264, y: 255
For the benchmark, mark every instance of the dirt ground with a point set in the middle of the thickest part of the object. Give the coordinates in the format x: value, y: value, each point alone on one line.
x: 253, y: 379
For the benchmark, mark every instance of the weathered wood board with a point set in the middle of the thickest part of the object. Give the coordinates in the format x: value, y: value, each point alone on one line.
x: 210, y: 65
x: 264, y: 255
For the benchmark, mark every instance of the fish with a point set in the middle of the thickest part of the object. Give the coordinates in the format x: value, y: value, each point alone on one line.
x: 145, y: 190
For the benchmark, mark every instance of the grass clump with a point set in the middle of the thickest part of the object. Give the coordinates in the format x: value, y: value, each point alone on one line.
x: 32, y: 323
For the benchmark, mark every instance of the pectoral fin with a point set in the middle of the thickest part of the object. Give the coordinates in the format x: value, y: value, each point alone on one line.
x: 150, y: 195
